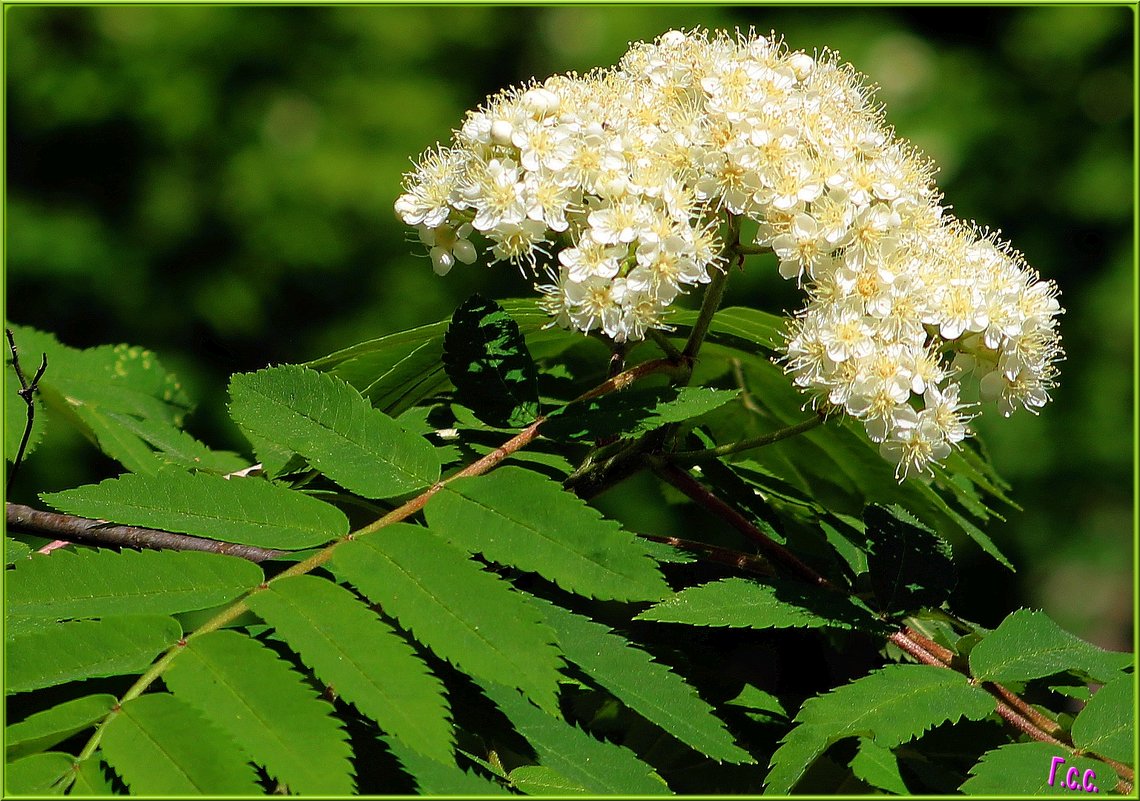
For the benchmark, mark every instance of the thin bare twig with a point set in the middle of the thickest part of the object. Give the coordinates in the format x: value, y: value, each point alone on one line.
x: 26, y: 391
x: 714, y: 553
x: 81, y: 529
x: 772, y: 550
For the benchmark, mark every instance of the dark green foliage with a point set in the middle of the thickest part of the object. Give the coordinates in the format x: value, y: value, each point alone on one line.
x: 910, y: 566
x: 892, y: 706
x: 488, y: 361
x: 119, y: 397
x: 633, y: 411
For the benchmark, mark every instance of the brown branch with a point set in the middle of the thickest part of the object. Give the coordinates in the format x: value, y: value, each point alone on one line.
x: 99, y: 532
x: 714, y: 553
x: 772, y: 550
x: 1026, y: 710
x: 944, y: 655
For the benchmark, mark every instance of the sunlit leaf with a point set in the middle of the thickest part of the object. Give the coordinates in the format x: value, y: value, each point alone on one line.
x: 520, y: 518
x: 265, y: 706
x: 64, y: 652
x: 1025, y: 769
x: 334, y: 428
x: 250, y: 511
x: 54, y: 725
x: 742, y: 603
x: 89, y: 583
x: 1107, y: 724
x: 40, y: 774
x: 645, y: 686
x: 463, y: 613
x: 597, y: 766
x: 361, y: 657
x: 161, y: 745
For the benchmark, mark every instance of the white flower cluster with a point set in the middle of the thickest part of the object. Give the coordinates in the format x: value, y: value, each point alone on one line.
x: 617, y: 185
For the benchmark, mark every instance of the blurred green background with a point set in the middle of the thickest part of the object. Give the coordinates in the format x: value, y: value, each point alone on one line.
x: 216, y: 184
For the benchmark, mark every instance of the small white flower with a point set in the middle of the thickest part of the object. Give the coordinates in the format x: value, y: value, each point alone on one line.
x: 446, y: 245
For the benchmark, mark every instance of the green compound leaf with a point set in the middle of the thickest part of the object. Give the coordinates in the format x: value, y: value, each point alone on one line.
x: 436, y: 778
x: 598, y: 767
x: 893, y: 706
x: 1105, y: 726
x: 54, y: 725
x: 520, y: 518
x: 487, y: 359
x: 361, y: 657
x: 39, y: 774
x: 633, y: 411
x: 1024, y: 769
x: 85, y: 649
x: 647, y: 687
x: 264, y: 705
x: 1028, y: 645
x: 464, y: 614
x: 88, y: 583
x: 910, y: 565
x: 249, y: 511
x: 879, y: 767
x: 742, y: 603
x: 330, y: 424
x: 161, y: 745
